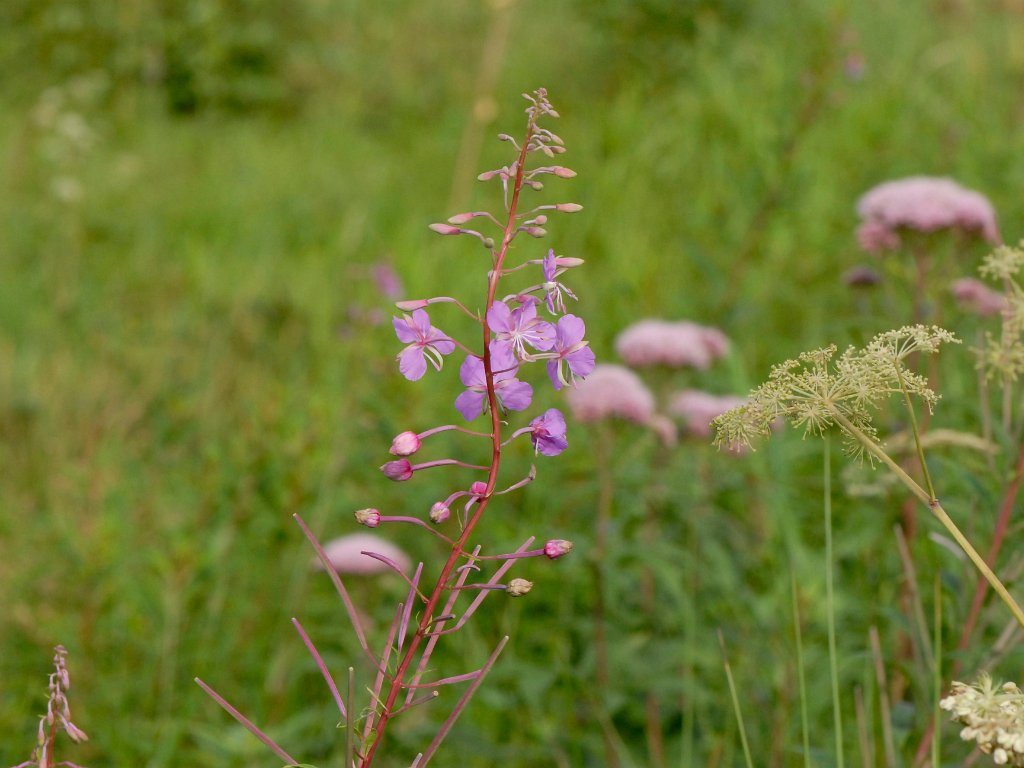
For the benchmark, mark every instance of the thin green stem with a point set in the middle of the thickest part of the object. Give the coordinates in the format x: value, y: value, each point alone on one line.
x: 801, y: 676
x: 937, y: 510
x: 833, y: 656
x: 917, y: 434
x: 735, y: 703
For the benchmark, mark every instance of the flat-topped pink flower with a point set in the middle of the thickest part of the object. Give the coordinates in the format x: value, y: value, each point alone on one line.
x: 612, y: 390
x: 974, y: 296
x: 922, y: 204
x: 676, y: 344
x: 698, y: 409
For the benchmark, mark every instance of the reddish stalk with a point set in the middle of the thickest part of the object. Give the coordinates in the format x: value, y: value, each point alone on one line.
x: 458, y: 550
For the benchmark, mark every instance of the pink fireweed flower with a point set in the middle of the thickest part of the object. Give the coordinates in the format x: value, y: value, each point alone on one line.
x: 697, y: 409
x: 512, y: 394
x: 922, y: 204
x: 345, y: 554
x: 547, y: 433
x: 612, y: 390
x: 572, y: 355
x: 405, y: 444
x: 515, y: 328
x: 424, y: 342
x: 974, y: 296
x: 554, y: 290
x: 675, y: 344
x: 557, y: 548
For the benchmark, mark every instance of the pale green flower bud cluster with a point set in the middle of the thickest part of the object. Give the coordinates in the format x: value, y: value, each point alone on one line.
x: 1002, y: 356
x: 818, y: 392
x: 993, y: 717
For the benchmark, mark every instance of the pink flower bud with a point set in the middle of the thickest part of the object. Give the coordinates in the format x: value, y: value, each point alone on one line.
x: 410, y: 306
x: 439, y: 512
x: 535, y: 231
x: 568, y: 207
x: 556, y: 548
x: 397, y: 470
x: 445, y: 229
x: 369, y: 517
x: 461, y: 218
x: 478, y: 488
x: 567, y: 261
x: 405, y: 444
x: 518, y: 587
x: 562, y: 172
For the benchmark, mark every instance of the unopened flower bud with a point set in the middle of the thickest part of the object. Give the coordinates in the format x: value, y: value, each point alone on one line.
x: 414, y: 304
x: 461, y: 218
x: 439, y: 512
x: 369, y: 517
x: 397, y: 470
x: 405, y: 444
x: 445, y: 229
x: 535, y: 231
x: 562, y: 172
x: 568, y: 261
x: 568, y: 207
x: 488, y: 243
x: 555, y: 548
x: 478, y: 488
x: 518, y: 587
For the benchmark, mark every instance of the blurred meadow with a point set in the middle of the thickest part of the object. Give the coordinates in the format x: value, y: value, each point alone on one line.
x: 194, y: 347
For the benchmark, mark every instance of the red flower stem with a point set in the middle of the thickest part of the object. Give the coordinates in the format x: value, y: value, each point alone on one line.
x: 426, y: 619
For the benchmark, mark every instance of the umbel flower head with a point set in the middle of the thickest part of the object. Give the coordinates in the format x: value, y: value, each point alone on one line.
x: 922, y: 204
x: 993, y: 717
x: 816, y: 392
x: 676, y: 344
x: 610, y: 391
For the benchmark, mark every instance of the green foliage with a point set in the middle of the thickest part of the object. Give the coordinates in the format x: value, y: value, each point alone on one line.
x: 191, y: 351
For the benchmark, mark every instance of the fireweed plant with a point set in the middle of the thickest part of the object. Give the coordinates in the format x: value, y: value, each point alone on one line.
x: 513, y: 333
x: 56, y: 719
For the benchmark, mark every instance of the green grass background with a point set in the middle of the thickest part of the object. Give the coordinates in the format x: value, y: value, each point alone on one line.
x: 186, y: 361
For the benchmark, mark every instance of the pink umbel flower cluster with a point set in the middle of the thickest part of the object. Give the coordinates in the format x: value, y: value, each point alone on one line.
x: 922, y: 204
x: 676, y: 344
x: 614, y: 391
x: 697, y: 409
x: 512, y: 331
x: 974, y: 296
x: 57, y: 717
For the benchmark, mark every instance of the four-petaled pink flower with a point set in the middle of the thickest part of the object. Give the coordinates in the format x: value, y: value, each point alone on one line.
x: 552, y: 288
x: 512, y: 394
x: 573, y: 357
x: 515, y: 328
x: 424, y: 341
x: 547, y: 433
